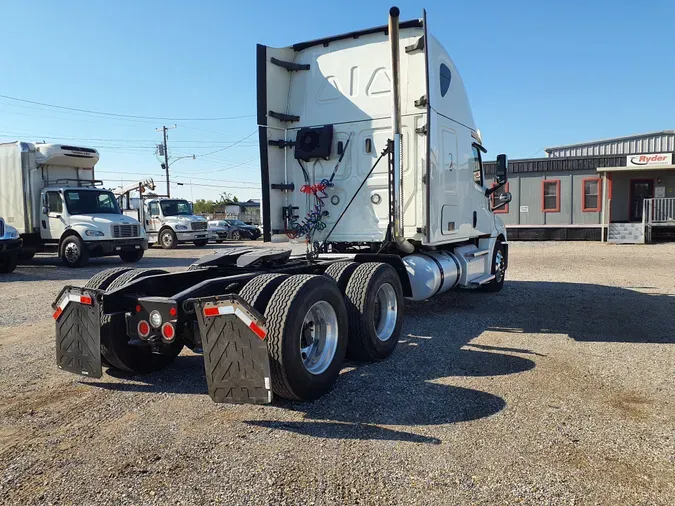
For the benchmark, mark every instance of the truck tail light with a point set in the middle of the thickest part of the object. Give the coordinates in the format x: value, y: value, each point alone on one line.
x: 143, y: 328
x: 168, y: 332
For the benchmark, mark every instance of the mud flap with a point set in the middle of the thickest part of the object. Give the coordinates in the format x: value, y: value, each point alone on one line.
x: 235, y: 352
x: 78, y: 331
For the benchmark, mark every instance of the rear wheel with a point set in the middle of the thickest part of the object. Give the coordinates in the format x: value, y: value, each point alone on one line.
x: 306, y: 336
x: 260, y: 289
x: 374, y: 299
x: 201, y: 243
x: 236, y: 235
x: 340, y: 272
x: 132, y: 256
x: 8, y: 263
x: 167, y: 239
x: 115, y: 347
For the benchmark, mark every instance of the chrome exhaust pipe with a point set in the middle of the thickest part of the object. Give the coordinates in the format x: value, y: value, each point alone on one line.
x: 394, y: 37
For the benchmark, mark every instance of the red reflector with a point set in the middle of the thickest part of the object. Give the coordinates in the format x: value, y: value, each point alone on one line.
x: 211, y: 311
x: 85, y: 299
x: 257, y: 330
x: 168, y: 331
x: 57, y: 313
x: 138, y: 308
x: 173, y: 311
x: 143, y: 328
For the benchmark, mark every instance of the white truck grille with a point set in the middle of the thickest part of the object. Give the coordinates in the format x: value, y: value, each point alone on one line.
x: 121, y: 231
x: 199, y: 225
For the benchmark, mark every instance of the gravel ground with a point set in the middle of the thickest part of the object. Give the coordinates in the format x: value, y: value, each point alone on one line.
x: 558, y: 390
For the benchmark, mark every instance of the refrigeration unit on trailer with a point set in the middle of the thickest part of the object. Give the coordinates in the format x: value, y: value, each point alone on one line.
x: 49, y: 194
x: 369, y: 156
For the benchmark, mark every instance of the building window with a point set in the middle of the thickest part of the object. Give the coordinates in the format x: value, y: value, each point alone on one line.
x: 550, y: 196
x: 446, y: 77
x: 495, y: 198
x: 477, y: 167
x: 591, y: 195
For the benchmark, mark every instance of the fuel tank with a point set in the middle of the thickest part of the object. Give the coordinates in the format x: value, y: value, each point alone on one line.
x: 431, y: 273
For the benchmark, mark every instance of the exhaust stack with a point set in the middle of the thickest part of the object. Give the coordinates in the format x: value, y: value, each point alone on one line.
x: 394, y: 38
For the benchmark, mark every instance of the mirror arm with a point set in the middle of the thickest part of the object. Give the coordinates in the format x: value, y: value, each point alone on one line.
x: 500, y: 206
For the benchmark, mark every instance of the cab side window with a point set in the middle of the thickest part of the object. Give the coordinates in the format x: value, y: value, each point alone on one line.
x: 54, y: 202
x: 477, y: 166
x: 153, y: 207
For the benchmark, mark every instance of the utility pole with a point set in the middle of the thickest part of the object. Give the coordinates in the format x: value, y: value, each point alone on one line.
x: 166, y: 158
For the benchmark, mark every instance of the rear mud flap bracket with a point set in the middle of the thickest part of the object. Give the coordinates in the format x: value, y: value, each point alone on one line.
x: 78, y: 331
x: 235, y: 351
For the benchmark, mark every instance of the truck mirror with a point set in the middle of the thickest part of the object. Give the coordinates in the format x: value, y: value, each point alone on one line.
x: 502, y: 167
x: 505, y: 198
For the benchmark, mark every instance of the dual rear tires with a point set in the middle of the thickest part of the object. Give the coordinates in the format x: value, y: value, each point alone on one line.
x: 313, y: 320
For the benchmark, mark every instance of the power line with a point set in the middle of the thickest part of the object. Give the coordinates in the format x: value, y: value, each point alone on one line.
x: 231, y: 146
x: 130, y: 116
x: 214, y: 143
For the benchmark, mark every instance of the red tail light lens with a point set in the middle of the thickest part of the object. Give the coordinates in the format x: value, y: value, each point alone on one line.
x: 168, y: 331
x: 138, y: 308
x: 173, y: 311
x: 143, y: 328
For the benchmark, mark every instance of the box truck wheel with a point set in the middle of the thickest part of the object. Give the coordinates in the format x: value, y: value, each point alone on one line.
x: 167, y: 239
x: 132, y: 256
x: 201, y: 243
x: 260, y: 289
x: 374, y: 299
x: 306, y: 336
x: 498, y: 269
x: 73, y: 252
x: 115, y: 347
x: 340, y: 272
x: 8, y: 263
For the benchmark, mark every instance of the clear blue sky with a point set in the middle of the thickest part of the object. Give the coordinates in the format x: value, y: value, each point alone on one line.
x: 537, y: 73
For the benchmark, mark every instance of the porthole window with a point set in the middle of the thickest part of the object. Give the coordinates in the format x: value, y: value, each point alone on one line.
x: 446, y: 76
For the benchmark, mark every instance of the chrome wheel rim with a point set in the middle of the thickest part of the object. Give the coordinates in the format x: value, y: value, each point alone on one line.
x: 167, y: 240
x: 72, y: 252
x: 319, y: 337
x: 235, y: 236
x: 499, y: 266
x: 386, y: 312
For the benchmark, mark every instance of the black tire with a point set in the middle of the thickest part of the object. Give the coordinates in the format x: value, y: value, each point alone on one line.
x: 73, y: 252
x: 285, y: 316
x: 363, y: 308
x: 499, y: 271
x: 132, y: 256
x: 201, y: 243
x: 340, y: 272
x: 115, y: 347
x: 8, y: 263
x: 167, y: 239
x: 101, y: 281
x: 260, y: 289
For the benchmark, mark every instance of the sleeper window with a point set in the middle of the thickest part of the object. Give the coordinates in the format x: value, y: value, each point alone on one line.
x: 477, y: 167
x: 446, y: 77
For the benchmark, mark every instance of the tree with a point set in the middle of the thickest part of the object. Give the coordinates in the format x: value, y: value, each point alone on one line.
x: 202, y: 206
x: 227, y: 198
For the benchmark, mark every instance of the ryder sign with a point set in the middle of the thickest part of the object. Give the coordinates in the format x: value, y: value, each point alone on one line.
x: 650, y: 160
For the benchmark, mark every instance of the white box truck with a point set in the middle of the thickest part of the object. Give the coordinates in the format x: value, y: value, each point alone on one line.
x: 368, y: 150
x: 49, y: 195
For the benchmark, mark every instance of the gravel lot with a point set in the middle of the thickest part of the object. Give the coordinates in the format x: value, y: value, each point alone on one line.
x: 558, y: 390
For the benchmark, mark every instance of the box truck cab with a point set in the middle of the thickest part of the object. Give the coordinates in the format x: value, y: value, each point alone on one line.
x: 50, y: 196
x: 170, y: 222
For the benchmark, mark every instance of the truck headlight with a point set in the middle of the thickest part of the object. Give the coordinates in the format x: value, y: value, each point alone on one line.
x: 94, y: 233
x: 181, y: 227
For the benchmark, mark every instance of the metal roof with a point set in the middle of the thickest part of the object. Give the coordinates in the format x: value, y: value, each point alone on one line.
x: 653, y: 142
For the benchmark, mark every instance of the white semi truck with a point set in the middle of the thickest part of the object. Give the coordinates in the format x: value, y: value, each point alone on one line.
x: 370, y: 155
x: 167, y: 221
x: 48, y: 193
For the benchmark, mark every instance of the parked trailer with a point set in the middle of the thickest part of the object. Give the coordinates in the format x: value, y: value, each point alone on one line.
x: 271, y: 323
